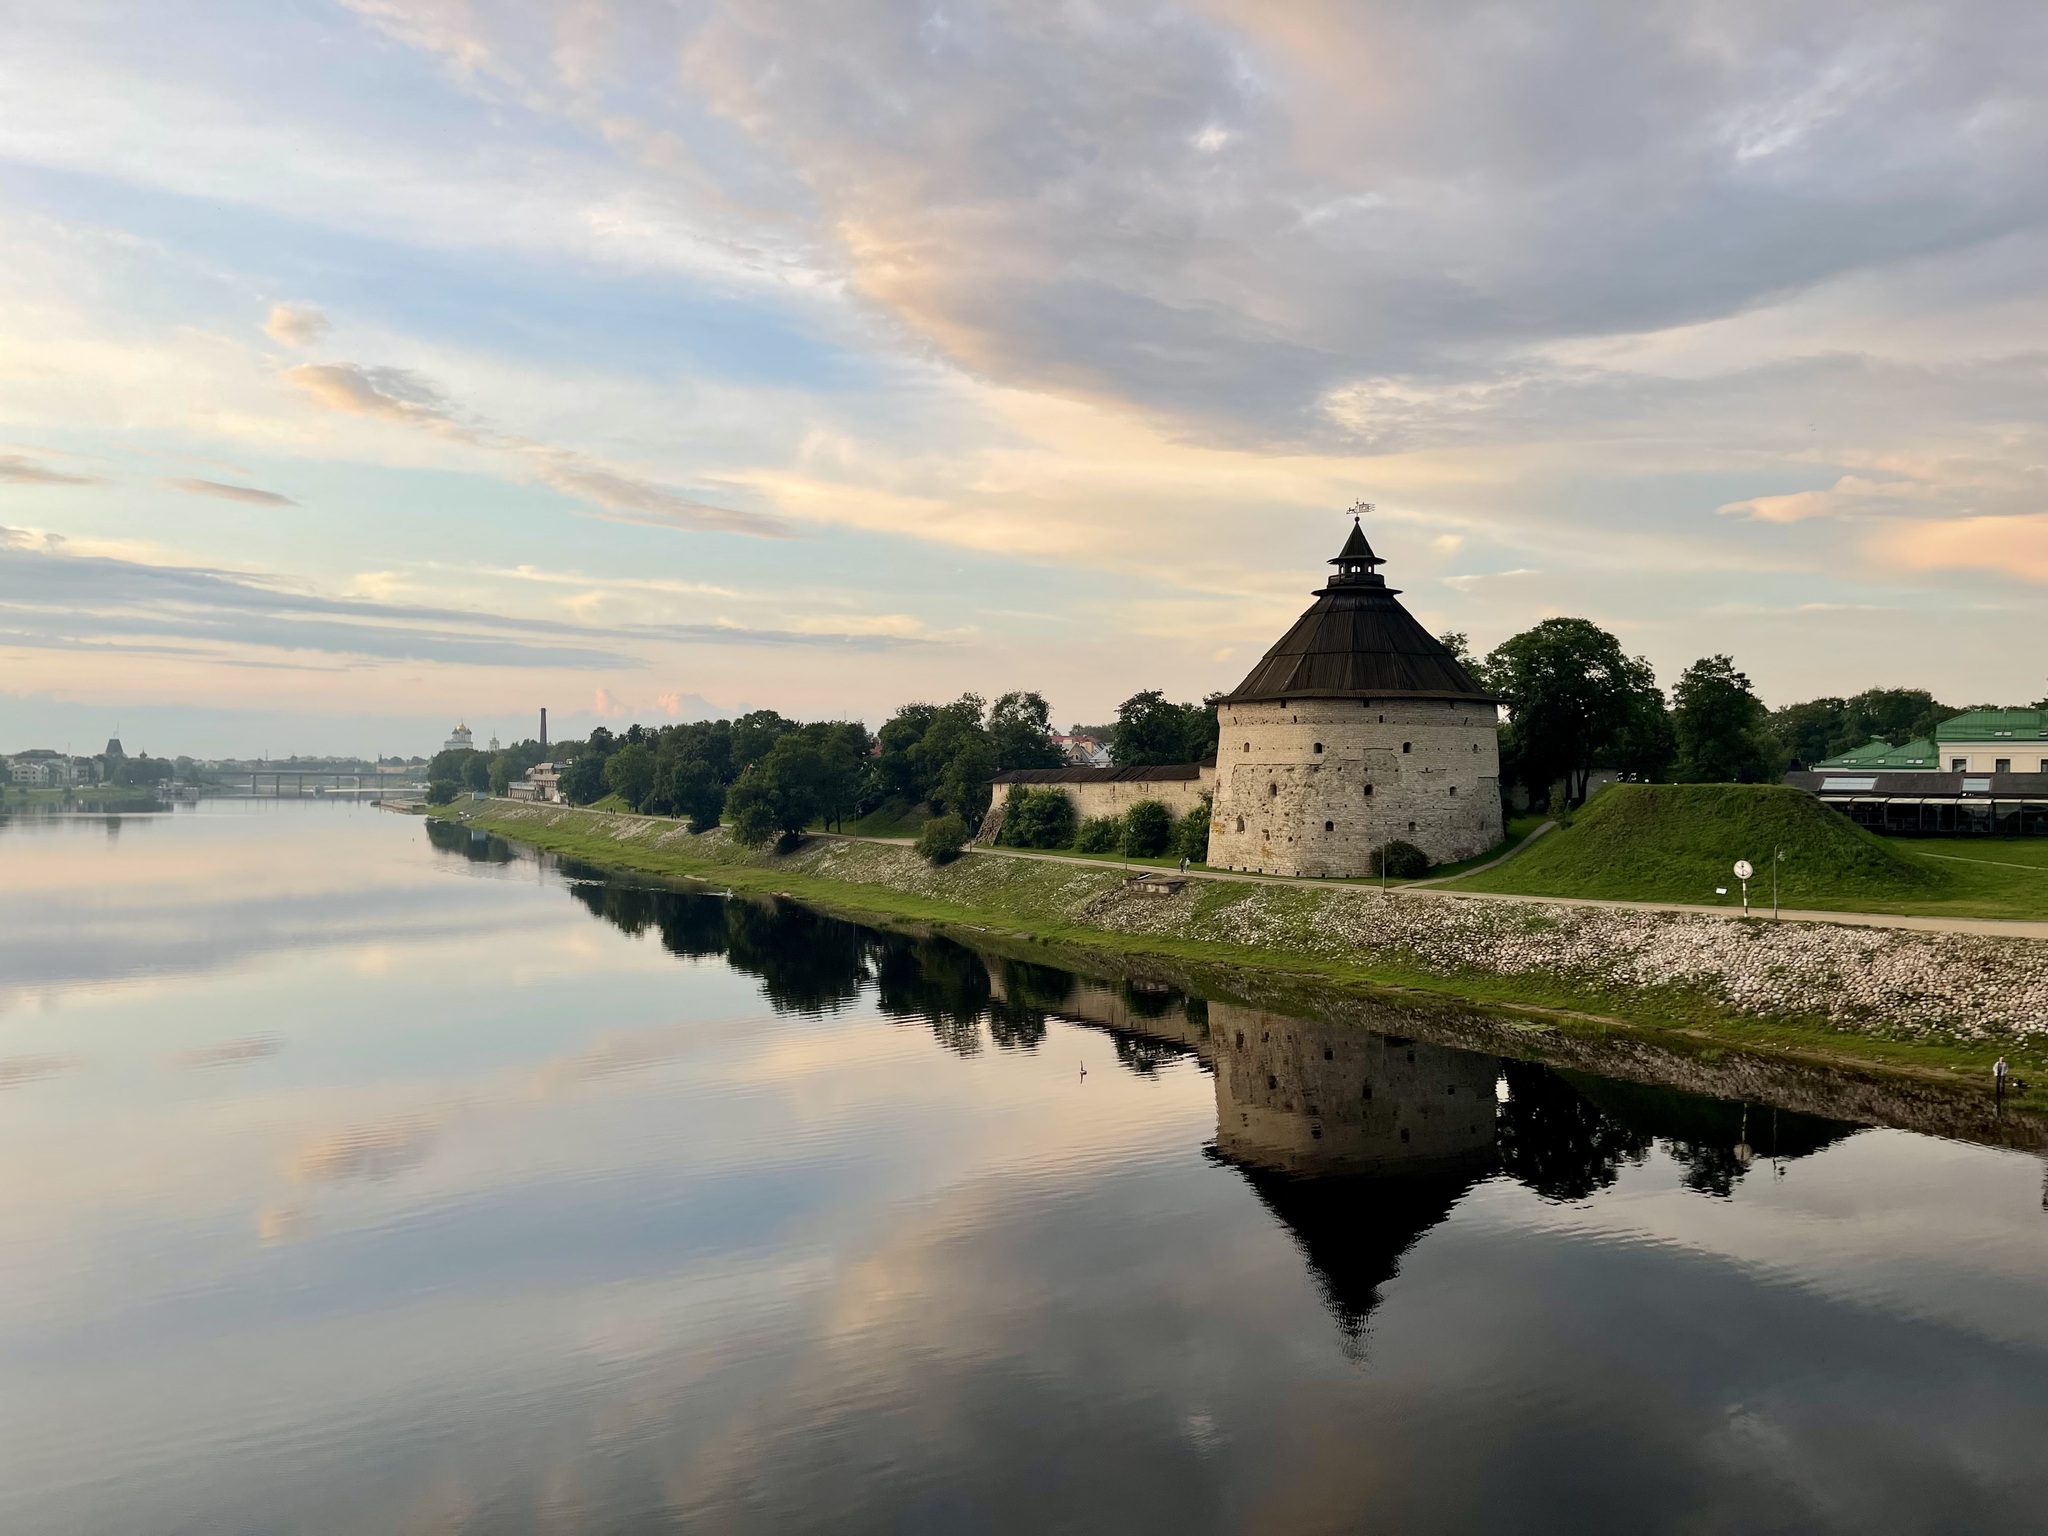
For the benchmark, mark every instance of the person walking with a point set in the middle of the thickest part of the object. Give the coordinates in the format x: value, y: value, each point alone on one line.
x: 1999, y: 1072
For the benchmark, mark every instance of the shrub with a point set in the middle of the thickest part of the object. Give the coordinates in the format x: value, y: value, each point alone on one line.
x: 1038, y: 818
x: 1191, y: 835
x: 941, y: 839
x: 1148, y: 829
x: 1099, y: 834
x: 441, y: 791
x: 1400, y: 861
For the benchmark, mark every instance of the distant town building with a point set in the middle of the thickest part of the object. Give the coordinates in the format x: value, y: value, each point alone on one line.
x: 459, y: 740
x: 1083, y: 751
x: 494, y: 747
x: 543, y: 781
x: 113, y: 748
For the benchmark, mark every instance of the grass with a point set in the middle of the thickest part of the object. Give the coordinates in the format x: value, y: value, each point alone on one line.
x: 1023, y: 900
x: 894, y: 817
x: 1678, y: 842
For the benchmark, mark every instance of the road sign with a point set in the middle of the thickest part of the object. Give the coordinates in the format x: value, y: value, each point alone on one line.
x: 1742, y: 869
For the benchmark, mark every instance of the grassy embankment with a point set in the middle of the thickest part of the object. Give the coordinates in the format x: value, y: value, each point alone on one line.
x: 1678, y: 842
x: 93, y: 796
x: 1048, y: 902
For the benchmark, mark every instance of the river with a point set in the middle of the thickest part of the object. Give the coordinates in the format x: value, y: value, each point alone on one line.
x: 366, y: 1175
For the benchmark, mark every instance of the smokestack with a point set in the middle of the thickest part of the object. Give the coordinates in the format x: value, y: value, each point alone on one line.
x: 543, y: 728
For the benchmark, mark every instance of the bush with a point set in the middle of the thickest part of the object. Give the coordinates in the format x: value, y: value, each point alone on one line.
x: 1400, y: 861
x: 1100, y: 834
x: 1148, y: 829
x: 441, y: 791
x: 1191, y: 835
x: 1038, y: 818
x: 941, y: 839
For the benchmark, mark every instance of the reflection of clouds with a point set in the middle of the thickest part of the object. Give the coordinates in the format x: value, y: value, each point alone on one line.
x: 365, y: 1152
x: 15, y: 1070
x: 229, y: 1054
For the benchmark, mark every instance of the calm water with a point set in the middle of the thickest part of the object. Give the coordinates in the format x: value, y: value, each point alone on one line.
x: 362, y: 1176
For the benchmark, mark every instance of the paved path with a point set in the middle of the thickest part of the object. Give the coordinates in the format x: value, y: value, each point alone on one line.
x: 2007, y: 928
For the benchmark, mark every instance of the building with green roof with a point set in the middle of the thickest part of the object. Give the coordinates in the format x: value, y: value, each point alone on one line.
x: 1994, y: 741
x: 1883, y: 757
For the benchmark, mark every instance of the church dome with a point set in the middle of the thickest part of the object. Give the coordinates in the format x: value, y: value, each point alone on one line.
x: 1357, y: 641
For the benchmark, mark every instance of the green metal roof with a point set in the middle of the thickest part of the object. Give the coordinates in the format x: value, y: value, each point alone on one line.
x: 1913, y: 757
x: 1995, y: 725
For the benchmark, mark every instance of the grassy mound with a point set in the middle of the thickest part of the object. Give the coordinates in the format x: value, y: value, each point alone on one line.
x: 1677, y: 842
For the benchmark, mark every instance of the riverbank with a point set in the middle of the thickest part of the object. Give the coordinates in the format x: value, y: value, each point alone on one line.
x: 1909, y: 1000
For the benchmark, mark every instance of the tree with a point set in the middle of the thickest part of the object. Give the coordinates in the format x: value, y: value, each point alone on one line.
x: 1099, y: 834
x: 952, y: 762
x: 779, y: 795
x: 441, y: 791
x: 1819, y: 728
x: 1150, y: 731
x: 583, y: 778
x: 940, y: 840
x: 1148, y: 829
x: 754, y: 735
x: 1020, y: 733
x: 1191, y: 834
x: 1721, y: 726
x: 1575, y: 701
x: 1037, y: 818
x: 844, y: 782
x: 691, y: 787
x: 629, y: 773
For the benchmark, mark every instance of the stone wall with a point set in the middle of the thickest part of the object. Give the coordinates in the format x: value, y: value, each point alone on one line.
x: 1313, y: 787
x: 1112, y: 797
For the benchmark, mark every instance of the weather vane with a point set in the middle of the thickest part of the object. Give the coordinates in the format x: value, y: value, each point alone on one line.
x: 1360, y: 508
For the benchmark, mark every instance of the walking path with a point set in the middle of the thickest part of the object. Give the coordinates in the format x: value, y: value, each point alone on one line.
x: 2006, y: 928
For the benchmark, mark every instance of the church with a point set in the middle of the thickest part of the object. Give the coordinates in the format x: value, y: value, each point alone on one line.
x: 1357, y: 729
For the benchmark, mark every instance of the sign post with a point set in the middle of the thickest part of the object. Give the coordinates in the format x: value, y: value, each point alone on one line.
x: 1742, y: 873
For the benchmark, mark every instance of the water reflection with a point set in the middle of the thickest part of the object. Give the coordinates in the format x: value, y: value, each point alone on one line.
x: 1359, y: 1143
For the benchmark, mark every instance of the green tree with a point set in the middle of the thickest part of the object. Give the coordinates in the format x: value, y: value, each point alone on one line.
x: 1191, y: 834
x: 1150, y: 731
x: 1807, y: 732
x: 1100, y: 834
x: 1575, y: 701
x: 754, y: 735
x: 629, y: 773
x: 1722, y: 726
x: 780, y: 794
x: 1020, y: 733
x: 1148, y: 829
x: 692, y: 789
x: 940, y: 840
x: 441, y: 791
x: 1037, y: 818
x: 845, y: 778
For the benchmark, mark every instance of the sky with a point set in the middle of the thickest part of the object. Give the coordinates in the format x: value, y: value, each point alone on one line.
x: 367, y: 365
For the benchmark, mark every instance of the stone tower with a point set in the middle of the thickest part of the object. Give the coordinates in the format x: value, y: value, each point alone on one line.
x: 1357, y: 729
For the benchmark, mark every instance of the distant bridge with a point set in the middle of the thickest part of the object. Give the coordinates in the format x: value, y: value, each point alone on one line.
x: 293, y: 783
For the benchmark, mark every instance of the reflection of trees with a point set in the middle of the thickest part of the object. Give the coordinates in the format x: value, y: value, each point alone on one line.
x: 1703, y: 1135
x: 1150, y: 999
x: 936, y: 980
x: 1031, y: 985
x: 1554, y: 1141
x: 810, y: 963
x: 1014, y: 1028
x: 471, y: 843
x: 1145, y: 1057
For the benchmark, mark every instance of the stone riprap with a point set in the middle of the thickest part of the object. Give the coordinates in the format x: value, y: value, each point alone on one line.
x: 1881, y: 981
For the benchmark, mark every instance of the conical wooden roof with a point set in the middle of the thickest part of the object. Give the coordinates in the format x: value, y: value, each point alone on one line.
x: 1357, y: 642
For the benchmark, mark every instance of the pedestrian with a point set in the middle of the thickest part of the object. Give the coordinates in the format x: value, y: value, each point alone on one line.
x: 1999, y: 1072
x: 1183, y: 863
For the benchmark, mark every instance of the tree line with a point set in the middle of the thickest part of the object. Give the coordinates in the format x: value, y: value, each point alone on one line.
x: 769, y: 777
x: 1576, y: 702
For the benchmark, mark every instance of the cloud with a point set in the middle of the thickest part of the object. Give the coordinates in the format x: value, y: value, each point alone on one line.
x: 399, y: 396
x: 1848, y: 496
x: 244, y: 493
x: 388, y: 394
x: 296, y: 325
x: 2005, y: 546
x: 16, y: 469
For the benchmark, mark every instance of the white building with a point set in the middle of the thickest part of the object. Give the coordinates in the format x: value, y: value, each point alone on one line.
x: 459, y: 740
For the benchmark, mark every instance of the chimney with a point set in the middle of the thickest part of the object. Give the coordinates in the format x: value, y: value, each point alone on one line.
x: 543, y: 729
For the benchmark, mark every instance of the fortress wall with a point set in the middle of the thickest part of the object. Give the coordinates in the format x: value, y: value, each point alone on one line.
x: 1433, y: 766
